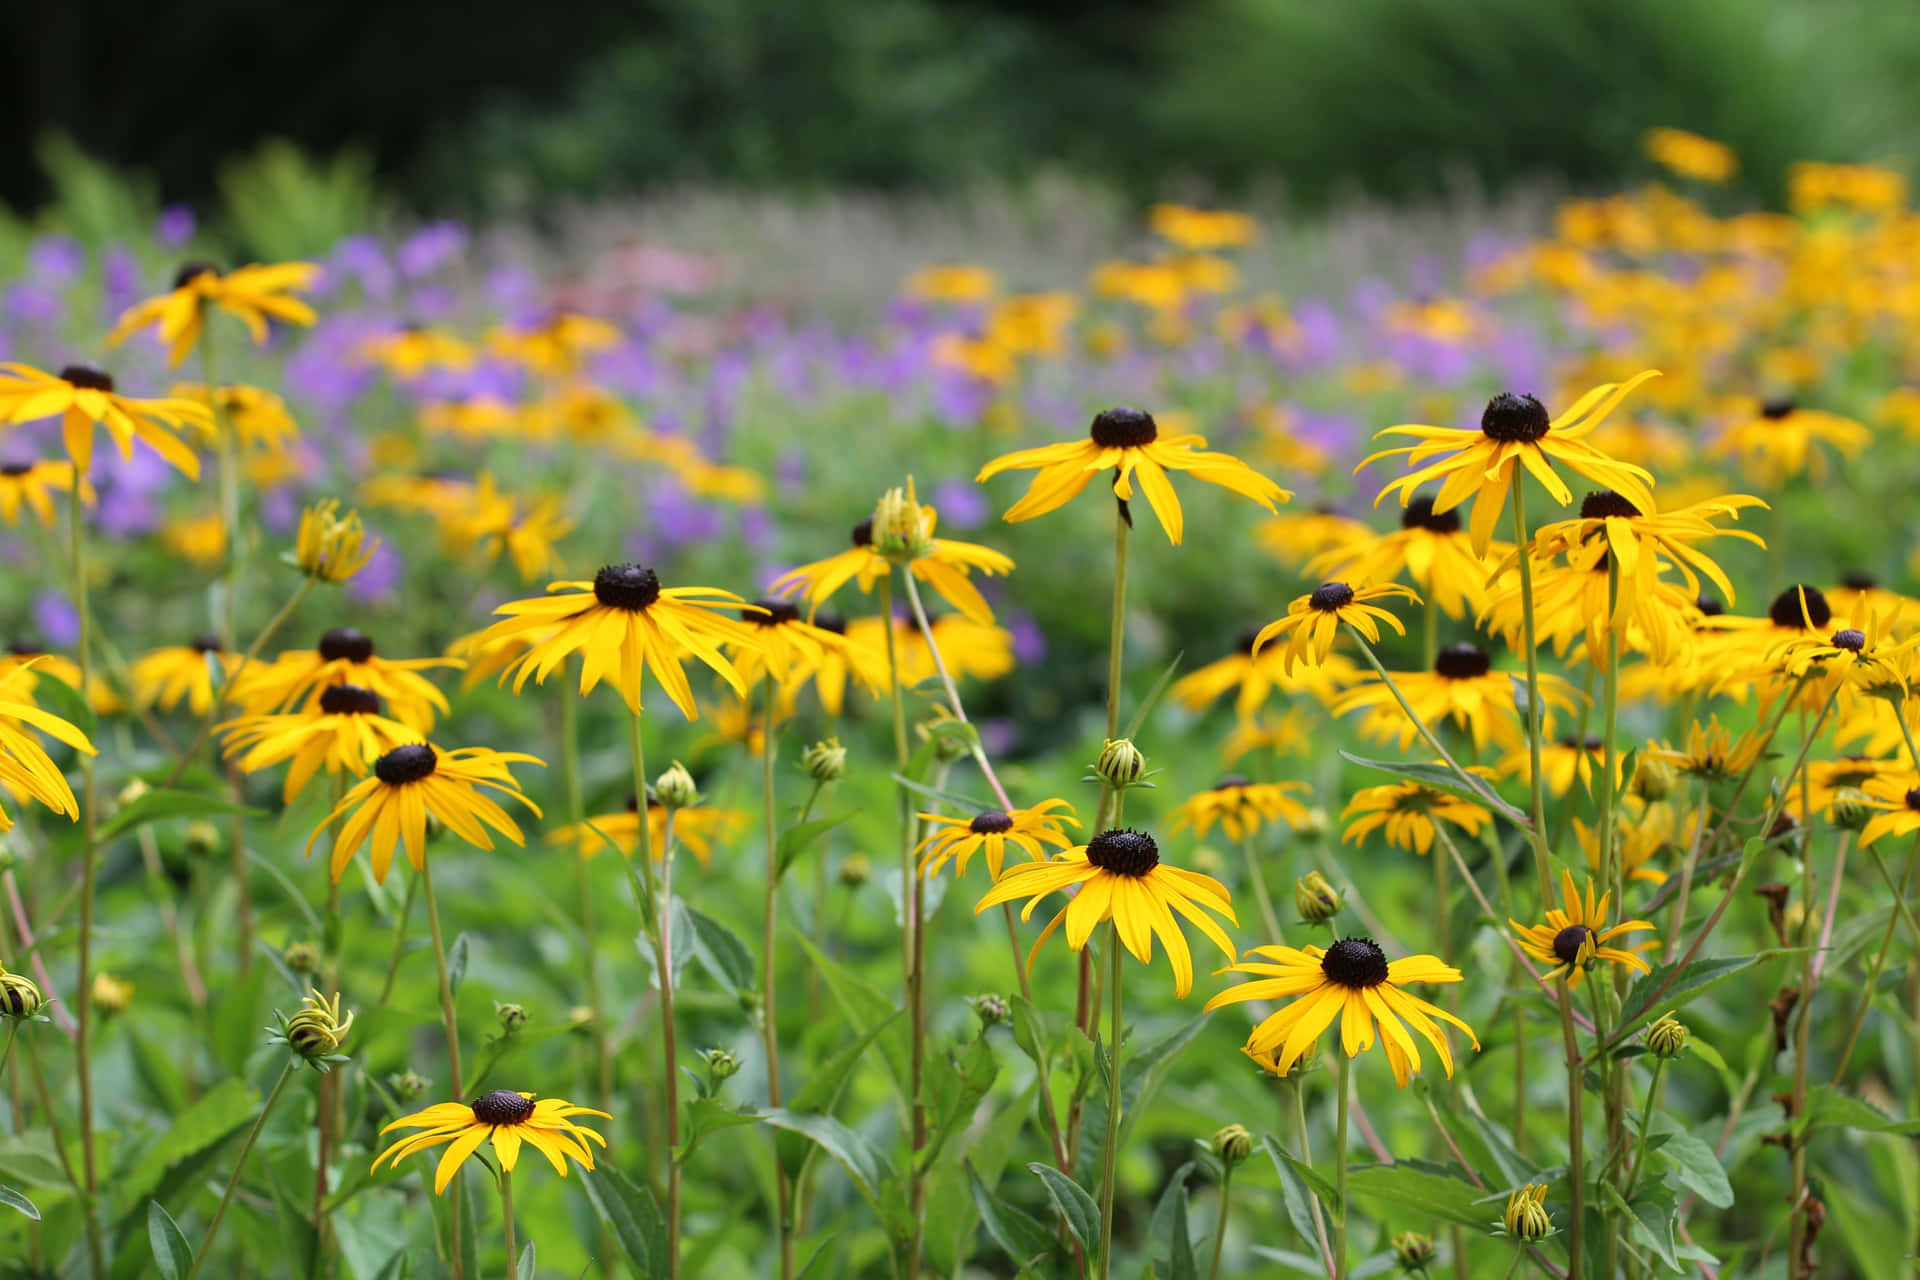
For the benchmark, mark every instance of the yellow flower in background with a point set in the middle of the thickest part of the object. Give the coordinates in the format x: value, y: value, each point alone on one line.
x: 491, y: 522
x: 1775, y: 441
x: 201, y: 539
x: 344, y: 655
x: 1576, y: 934
x: 412, y: 350
x: 1429, y: 547
x: 166, y: 677
x: 1313, y: 620
x: 991, y: 831
x: 255, y: 294
x: 25, y: 767
x: 111, y: 995
x: 793, y: 651
x: 1118, y: 876
x: 1254, y: 678
x: 1690, y: 155
x: 1812, y: 187
x: 1860, y: 595
x: 945, y: 566
x: 477, y: 419
x: 1710, y: 752
x: 557, y: 347
x: 413, y: 782
x: 1515, y: 430
x: 1406, y: 813
x: 1571, y: 605
x: 1241, y: 807
x: 1640, y: 541
x: 953, y: 282
x: 332, y: 547
x: 1354, y: 982
x: 697, y: 826
x: 343, y: 732
x: 507, y: 1120
x: 1202, y: 229
x: 1826, y: 779
x: 32, y: 485
x: 1128, y: 440
x: 967, y: 648
x: 1640, y: 838
x: 260, y: 418
x: 1563, y: 761
x: 29, y: 663
x: 1463, y: 688
x: 83, y: 397
x: 1282, y: 735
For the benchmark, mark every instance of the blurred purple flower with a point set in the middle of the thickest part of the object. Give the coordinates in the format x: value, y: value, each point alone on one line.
x: 279, y: 510
x: 379, y: 582
x: 362, y: 258
x: 56, y: 622
x: 997, y: 737
x: 1029, y: 642
x: 56, y: 260
x: 174, y: 227
x: 430, y: 248
x: 120, y: 273
x: 34, y: 304
x: 433, y: 303
x: 961, y: 505
x: 514, y: 288
x: 790, y: 472
x: 756, y: 529
x: 959, y: 399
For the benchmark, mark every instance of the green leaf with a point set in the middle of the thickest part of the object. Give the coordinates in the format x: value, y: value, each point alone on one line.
x: 795, y: 840
x: 1294, y: 1195
x: 1696, y: 979
x: 15, y: 1200
x: 1828, y: 1108
x: 219, y: 1113
x: 630, y: 1212
x: 938, y: 733
x: 1029, y: 1030
x: 528, y: 1269
x: 1073, y: 1203
x: 1019, y: 1236
x: 32, y: 1158
x: 819, y: 1257
x: 707, y: 1116
x: 170, y: 1251
x: 1694, y: 1163
x: 866, y: 1009
x: 1441, y: 778
x: 457, y: 962
x: 865, y: 1165
x: 953, y: 1093
x: 158, y: 804
x: 1142, y: 1074
x: 1153, y: 696
x: 1649, y: 1218
x: 830, y: 1077
x: 1316, y: 1181
x: 718, y: 949
x: 63, y: 700
x: 1423, y: 1186
x: 1170, y: 1224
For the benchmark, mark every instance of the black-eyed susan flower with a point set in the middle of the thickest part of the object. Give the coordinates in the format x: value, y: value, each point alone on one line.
x: 1128, y: 440
x: 1430, y: 547
x: 1462, y: 687
x: 1313, y: 620
x: 413, y: 349
x: 1711, y: 751
x: 622, y: 624
x: 418, y: 780
x: 699, y: 827
x: 1564, y: 761
x: 1120, y: 877
x: 1896, y: 797
x: 1574, y: 606
x: 1861, y: 595
x: 343, y: 732
x: 1639, y: 838
x: 83, y: 397
x: 25, y: 767
x: 491, y: 523
x: 26, y: 664
x: 1241, y: 807
x: 260, y: 419
x: 1353, y: 981
x: 850, y: 659
x: 990, y: 831
x: 166, y: 677
x: 1857, y: 658
x: 1406, y: 813
x: 254, y: 293
x: 1515, y: 431
x: 508, y: 1120
x: 1639, y: 541
x: 1254, y: 678
x: 1282, y: 735
x: 558, y: 346
x: 1576, y: 935
x: 345, y: 655
x: 792, y: 651
x: 1829, y: 780
x: 1754, y: 649
x: 32, y: 485
x: 1296, y: 537
x: 967, y: 647
x: 332, y: 547
x: 945, y: 566
x: 1774, y: 440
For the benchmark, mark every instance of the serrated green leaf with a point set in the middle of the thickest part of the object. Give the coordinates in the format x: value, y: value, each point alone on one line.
x: 717, y: 948
x: 1294, y: 1194
x: 1073, y: 1203
x: 1694, y: 1164
x: 629, y: 1210
x: 708, y: 1116
x: 1649, y: 1219
x: 952, y: 1093
x: 1696, y: 979
x: 1828, y: 1108
x: 159, y: 804
x: 170, y: 1251
x: 1019, y: 1236
x: 219, y: 1113
x: 1423, y: 1186
x: 18, y: 1201
x: 795, y: 840
x: 866, y: 1009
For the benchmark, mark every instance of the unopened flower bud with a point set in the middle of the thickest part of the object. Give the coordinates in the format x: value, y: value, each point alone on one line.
x: 332, y: 547
x: 1667, y: 1037
x: 204, y: 837
x: 1653, y: 780
x: 675, y: 788
x: 317, y: 1031
x: 991, y: 1009
x: 301, y: 957
x: 110, y: 994
x: 580, y: 1017
x: 1233, y: 1144
x: 407, y: 1085
x: 825, y: 760
x: 1526, y: 1217
x: 855, y: 870
x: 720, y: 1064
x: 1315, y: 899
x: 1120, y: 763
x: 131, y: 792
x: 1413, y: 1251
x: 512, y: 1016
x: 19, y: 997
x: 1313, y: 825
x: 1852, y: 809
x: 947, y: 747
x: 901, y: 529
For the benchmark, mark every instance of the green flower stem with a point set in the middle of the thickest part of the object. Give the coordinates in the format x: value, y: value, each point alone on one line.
x: 583, y: 893
x: 1746, y: 777
x: 328, y: 1118
x: 89, y: 883
x: 452, y: 1025
x: 1344, y: 1092
x: 1110, y: 1156
x: 1220, y: 1223
x: 6, y: 1051
x: 1268, y: 916
x: 1304, y: 1135
x: 659, y: 910
x: 239, y: 1166
x: 769, y: 968
x: 1679, y: 921
x: 225, y: 693
x: 1879, y: 958
x: 1430, y: 633
x: 1611, y: 875
x: 1646, y: 1119
x: 400, y: 940
x: 506, y: 1221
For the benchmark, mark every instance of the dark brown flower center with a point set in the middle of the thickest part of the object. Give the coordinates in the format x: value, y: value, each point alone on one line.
x: 1463, y: 661
x: 1592, y: 743
x: 1124, y: 853
x: 1123, y: 428
x: 1785, y: 610
x: 1708, y: 606
x: 1913, y: 799
x: 1245, y: 643
x: 863, y: 533
x: 1858, y: 581
x: 502, y: 1106
x: 626, y: 586
x: 991, y: 823
x: 1777, y: 408
x: 1421, y: 515
x: 1603, y: 503
x: 1852, y: 639
x: 830, y: 622
x: 14, y: 470
x: 771, y: 613
x: 1355, y: 963
x: 1514, y: 419
x: 409, y: 763
x: 1567, y: 943
x: 206, y: 642
x: 1330, y: 597
x: 191, y: 271
x: 346, y: 644
x: 87, y: 377
x: 349, y: 700
x: 1232, y: 781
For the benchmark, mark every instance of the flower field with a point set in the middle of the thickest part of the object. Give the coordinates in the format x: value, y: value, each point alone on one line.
x: 543, y: 766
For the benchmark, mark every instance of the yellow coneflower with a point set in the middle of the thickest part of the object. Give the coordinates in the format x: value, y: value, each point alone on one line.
x: 1711, y: 751
x: 344, y: 732
x: 165, y: 677
x: 1860, y: 595
x: 260, y: 418
x: 412, y: 350
x: 1202, y: 229
x: 697, y: 826
x: 1128, y: 440
x: 967, y: 648
x: 28, y: 663
x: 1851, y: 657
x: 477, y: 419
x: 434, y: 493
x: 1282, y: 735
x: 1313, y: 620
x: 83, y: 397
x: 417, y: 780
x: 345, y: 655
x: 1407, y: 812
x: 1120, y: 877
x: 1827, y: 779
x: 489, y: 523
x: 1241, y: 807
x: 792, y: 651
x: 1353, y: 981
x: 864, y: 664
x: 990, y: 831
x: 32, y: 484
x: 1754, y: 648
x: 1641, y: 837
x: 1429, y: 547
x: 1254, y: 678
x: 1515, y: 430
x: 1564, y: 761
x: 504, y: 1118
x: 253, y: 293
x: 1462, y: 687
x: 622, y: 624
x: 1576, y: 934
x: 1775, y: 439
x: 1571, y: 606
x: 945, y: 567
x: 558, y: 346
x: 25, y: 767
x: 952, y: 282
x: 1690, y: 155
x: 1295, y: 538
x: 331, y: 547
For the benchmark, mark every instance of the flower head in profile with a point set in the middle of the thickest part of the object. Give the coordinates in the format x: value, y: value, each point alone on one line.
x: 255, y: 294
x: 1462, y: 687
x: 32, y: 485
x: 1119, y: 877
x: 25, y: 768
x: 315, y: 1032
x: 1564, y: 761
x: 1128, y: 441
x: 418, y: 780
x: 697, y: 826
x: 1639, y: 540
x: 332, y: 547
x: 1897, y: 799
x: 491, y: 523
x: 1353, y: 981
x: 1515, y: 431
x: 1241, y: 807
x: 166, y: 677
x: 1254, y: 678
x: 558, y: 346
x: 1711, y: 751
x: 1407, y: 813
x: 1576, y: 935
x: 1859, y: 658
x: 791, y: 651
x: 966, y: 647
x: 1774, y: 441
x: 1430, y: 547
x: 259, y: 418
x: 1313, y: 620
x: 624, y: 623
x: 1691, y: 156
x: 83, y: 397
x: 945, y: 565
x: 343, y: 732
x: 504, y: 1118
x: 991, y: 831
x: 345, y: 655
x: 1638, y: 840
